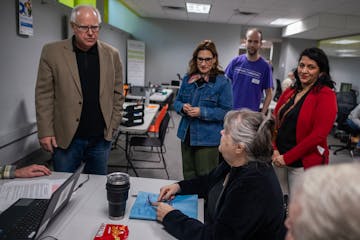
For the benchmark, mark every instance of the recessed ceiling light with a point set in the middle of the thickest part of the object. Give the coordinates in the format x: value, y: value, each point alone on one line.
x: 197, y: 8
x: 345, y: 41
x: 283, y: 21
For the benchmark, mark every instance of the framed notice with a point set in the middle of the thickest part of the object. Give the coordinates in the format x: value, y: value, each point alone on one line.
x: 135, y: 63
x: 25, y: 18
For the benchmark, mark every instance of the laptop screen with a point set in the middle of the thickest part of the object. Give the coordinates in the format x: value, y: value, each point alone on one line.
x: 60, y: 198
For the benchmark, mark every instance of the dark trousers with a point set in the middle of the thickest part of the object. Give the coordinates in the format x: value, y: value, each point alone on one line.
x: 93, y: 150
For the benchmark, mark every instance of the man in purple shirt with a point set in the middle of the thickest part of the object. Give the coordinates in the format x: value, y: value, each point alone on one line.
x: 250, y: 75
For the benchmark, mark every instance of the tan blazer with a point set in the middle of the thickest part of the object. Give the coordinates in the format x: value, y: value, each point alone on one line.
x: 58, y: 95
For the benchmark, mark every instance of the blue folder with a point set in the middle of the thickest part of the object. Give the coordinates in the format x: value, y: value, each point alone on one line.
x: 187, y: 204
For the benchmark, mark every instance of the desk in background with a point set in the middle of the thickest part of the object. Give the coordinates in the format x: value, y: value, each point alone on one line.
x: 149, y: 114
x: 88, y: 208
x: 158, y: 97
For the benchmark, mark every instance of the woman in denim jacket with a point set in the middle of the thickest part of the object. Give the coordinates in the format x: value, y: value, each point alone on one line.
x: 203, y: 100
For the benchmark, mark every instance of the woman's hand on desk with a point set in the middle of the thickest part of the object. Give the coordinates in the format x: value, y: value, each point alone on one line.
x: 168, y: 192
x: 32, y: 171
x: 162, y: 209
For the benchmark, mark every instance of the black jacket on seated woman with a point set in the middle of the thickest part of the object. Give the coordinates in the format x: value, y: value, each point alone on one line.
x: 243, y: 195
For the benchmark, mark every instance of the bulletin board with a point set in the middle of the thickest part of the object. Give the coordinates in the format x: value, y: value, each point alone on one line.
x: 136, y: 63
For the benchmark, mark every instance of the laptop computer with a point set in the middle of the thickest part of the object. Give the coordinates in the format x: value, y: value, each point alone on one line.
x: 27, y: 218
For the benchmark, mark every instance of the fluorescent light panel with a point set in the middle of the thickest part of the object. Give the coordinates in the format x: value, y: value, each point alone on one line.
x: 283, y: 21
x: 348, y: 55
x: 345, y: 50
x: 197, y: 8
x: 345, y: 41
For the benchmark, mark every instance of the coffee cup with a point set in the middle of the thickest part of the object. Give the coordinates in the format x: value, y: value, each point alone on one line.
x: 117, y: 187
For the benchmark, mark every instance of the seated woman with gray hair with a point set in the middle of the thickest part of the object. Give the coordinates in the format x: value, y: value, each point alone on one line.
x: 243, y: 196
x: 326, y: 204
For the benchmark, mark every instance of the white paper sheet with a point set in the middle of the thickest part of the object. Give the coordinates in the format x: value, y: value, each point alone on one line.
x: 12, y: 191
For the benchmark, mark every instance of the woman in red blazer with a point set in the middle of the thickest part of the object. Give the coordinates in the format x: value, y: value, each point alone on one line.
x: 304, y: 115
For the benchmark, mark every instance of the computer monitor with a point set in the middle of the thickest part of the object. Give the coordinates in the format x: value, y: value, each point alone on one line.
x: 345, y: 87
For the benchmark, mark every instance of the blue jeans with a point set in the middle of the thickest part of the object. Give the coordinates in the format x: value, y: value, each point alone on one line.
x: 93, y: 150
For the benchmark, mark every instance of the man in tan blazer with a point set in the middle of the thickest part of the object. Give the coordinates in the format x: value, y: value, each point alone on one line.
x: 79, y: 96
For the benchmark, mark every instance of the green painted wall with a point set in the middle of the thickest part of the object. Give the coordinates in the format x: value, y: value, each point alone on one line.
x: 122, y: 17
x: 73, y: 3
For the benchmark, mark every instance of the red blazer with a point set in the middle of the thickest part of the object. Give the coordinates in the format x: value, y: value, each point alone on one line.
x: 315, y: 121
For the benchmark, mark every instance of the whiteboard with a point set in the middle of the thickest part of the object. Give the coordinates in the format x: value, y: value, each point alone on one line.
x: 136, y: 63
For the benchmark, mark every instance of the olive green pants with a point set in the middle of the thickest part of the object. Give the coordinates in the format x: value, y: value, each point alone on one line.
x: 198, y: 161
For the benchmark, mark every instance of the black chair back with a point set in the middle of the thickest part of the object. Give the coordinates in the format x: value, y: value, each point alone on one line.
x: 346, y: 102
x: 163, y: 128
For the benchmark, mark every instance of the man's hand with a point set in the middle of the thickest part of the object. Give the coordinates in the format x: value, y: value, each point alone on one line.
x: 48, y: 143
x: 32, y: 171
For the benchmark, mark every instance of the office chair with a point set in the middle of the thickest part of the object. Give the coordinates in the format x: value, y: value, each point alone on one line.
x: 155, y: 126
x: 156, y: 142
x: 346, y: 102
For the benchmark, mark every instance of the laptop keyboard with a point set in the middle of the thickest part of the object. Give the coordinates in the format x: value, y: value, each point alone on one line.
x: 27, y: 225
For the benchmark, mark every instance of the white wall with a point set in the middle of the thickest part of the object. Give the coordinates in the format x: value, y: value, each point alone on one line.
x: 290, y: 52
x: 20, y: 56
x: 170, y: 44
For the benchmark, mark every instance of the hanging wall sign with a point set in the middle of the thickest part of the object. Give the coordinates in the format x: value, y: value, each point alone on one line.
x: 25, y: 18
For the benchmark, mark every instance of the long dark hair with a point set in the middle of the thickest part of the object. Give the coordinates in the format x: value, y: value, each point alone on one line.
x: 317, y: 55
x: 205, y: 45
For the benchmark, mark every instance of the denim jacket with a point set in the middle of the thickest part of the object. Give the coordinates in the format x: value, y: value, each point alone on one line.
x: 214, y: 99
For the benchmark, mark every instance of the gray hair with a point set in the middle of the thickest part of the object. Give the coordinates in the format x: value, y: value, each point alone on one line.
x: 329, y: 201
x: 254, y: 130
x: 77, y: 9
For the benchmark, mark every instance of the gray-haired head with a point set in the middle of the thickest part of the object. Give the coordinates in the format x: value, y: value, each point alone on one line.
x: 254, y: 130
x: 76, y: 9
x: 329, y: 203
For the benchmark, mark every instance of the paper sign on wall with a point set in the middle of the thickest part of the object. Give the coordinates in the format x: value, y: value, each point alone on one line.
x: 25, y: 18
x: 135, y: 63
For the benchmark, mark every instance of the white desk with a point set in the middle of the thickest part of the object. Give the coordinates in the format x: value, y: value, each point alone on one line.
x: 159, y: 97
x: 171, y: 86
x: 149, y: 114
x: 88, y: 208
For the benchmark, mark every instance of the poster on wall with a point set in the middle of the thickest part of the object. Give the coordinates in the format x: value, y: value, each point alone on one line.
x: 25, y: 18
x: 135, y: 63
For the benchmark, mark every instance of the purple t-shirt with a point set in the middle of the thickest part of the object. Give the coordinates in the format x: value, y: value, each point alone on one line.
x: 248, y: 79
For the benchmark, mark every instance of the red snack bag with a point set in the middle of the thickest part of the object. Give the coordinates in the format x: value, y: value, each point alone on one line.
x: 112, y: 232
